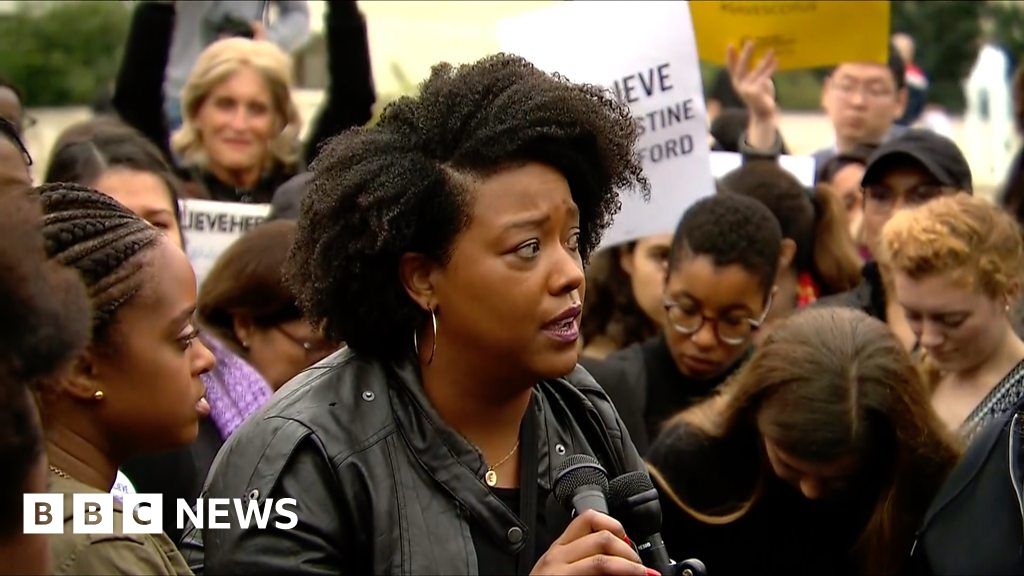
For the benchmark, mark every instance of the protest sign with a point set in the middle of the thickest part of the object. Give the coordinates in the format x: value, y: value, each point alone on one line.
x: 801, y: 167
x: 644, y: 53
x: 210, y: 227
x: 802, y: 34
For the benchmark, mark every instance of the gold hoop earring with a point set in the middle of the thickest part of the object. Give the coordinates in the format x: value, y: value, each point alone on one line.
x: 433, y: 341
x: 97, y: 395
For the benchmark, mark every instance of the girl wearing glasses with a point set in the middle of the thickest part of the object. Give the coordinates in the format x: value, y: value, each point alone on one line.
x: 820, y: 456
x: 719, y: 289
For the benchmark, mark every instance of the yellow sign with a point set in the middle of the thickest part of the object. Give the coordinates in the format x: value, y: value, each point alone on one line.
x: 802, y: 34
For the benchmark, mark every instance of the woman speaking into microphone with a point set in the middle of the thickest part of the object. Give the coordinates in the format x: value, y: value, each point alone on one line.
x: 445, y: 245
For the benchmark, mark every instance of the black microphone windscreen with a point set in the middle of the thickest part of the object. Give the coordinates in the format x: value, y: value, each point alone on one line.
x: 633, y: 499
x: 628, y: 485
x: 576, y: 471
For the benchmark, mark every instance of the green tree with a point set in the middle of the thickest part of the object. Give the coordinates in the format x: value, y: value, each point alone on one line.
x: 1007, y: 20
x: 63, y: 54
x: 946, y: 34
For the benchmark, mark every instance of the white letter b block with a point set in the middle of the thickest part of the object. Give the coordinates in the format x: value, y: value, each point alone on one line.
x: 93, y: 513
x: 43, y: 513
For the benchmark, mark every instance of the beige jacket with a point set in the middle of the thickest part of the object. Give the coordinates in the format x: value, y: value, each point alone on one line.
x: 115, y: 553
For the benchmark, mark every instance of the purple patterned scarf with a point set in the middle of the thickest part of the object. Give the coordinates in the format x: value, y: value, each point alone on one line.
x: 234, y: 389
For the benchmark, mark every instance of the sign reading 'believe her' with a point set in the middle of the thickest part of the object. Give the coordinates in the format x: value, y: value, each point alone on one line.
x: 645, y: 55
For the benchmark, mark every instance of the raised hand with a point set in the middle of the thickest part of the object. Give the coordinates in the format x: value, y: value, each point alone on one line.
x: 754, y: 85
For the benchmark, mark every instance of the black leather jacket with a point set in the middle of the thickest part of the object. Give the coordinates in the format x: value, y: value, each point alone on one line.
x: 975, y: 525
x: 382, y: 484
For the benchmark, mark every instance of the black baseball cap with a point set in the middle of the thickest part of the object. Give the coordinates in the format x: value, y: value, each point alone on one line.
x: 938, y: 155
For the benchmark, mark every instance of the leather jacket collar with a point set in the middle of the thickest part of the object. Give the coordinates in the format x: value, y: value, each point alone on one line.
x: 381, y: 483
x: 448, y: 457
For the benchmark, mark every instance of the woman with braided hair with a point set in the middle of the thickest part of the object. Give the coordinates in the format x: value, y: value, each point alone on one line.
x: 136, y: 387
x: 445, y: 244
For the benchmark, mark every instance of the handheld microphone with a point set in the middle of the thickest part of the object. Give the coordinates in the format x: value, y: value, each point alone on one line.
x: 634, y: 502
x: 581, y: 484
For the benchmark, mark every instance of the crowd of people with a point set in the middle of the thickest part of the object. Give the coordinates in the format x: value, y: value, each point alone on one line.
x: 423, y: 346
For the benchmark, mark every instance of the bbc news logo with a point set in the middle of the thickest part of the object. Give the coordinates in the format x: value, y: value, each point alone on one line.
x: 143, y: 513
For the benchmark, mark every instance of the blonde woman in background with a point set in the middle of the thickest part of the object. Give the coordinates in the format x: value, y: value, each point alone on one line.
x: 239, y: 137
x: 955, y: 266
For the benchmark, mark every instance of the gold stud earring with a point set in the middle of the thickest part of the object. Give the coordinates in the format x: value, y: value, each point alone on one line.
x: 97, y: 395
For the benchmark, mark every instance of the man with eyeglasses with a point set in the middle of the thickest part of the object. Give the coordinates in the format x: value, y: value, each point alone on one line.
x: 863, y: 100
x: 905, y: 172
x: 719, y: 289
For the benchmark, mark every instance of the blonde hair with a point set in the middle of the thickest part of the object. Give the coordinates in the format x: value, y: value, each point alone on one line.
x: 218, y: 62
x: 976, y: 240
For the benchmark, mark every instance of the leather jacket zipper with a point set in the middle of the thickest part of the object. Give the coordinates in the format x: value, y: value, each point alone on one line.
x: 1015, y: 461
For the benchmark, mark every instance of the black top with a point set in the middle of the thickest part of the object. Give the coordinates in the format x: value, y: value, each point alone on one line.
x: 782, y: 533
x: 494, y: 558
x: 646, y: 387
x: 868, y: 296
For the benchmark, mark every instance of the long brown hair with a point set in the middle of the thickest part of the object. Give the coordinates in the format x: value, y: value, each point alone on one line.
x: 827, y: 383
x: 248, y: 279
x: 610, y: 309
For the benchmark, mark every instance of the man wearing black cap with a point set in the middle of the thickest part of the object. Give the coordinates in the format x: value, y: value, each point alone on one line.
x: 904, y: 172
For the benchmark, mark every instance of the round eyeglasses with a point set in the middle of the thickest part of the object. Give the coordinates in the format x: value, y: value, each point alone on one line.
x: 733, y: 331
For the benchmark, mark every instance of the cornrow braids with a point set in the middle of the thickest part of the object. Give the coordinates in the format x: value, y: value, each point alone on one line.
x: 101, y: 239
x: 404, y: 185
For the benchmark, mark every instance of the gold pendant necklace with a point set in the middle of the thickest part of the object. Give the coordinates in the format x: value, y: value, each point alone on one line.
x: 491, y: 477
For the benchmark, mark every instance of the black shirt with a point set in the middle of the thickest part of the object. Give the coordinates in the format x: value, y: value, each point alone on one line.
x: 492, y: 559
x: 868, y: 296
x: 647, y: 388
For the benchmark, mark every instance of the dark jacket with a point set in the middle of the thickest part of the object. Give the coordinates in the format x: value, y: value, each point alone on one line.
x: 382, y: 484
x: 868, y: 296
x: 647, y: 388
x: 975, y: 524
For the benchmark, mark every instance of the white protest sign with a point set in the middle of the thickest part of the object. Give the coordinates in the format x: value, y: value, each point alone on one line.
x: 801, y: 167
x: 210, y: 227
x: 644, y: 52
